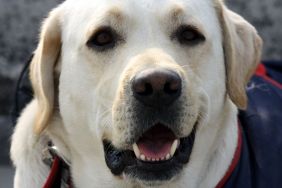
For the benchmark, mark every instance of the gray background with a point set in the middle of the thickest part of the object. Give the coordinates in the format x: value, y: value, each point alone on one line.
x: 19, y: 26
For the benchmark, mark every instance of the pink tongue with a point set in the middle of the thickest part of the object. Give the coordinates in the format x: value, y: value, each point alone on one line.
x: 156, y: 142
x: 155, y: 149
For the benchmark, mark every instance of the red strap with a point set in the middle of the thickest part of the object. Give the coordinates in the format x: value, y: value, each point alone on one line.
x: 261, y: 71
x: 54, y: 173
x: 235, y: 159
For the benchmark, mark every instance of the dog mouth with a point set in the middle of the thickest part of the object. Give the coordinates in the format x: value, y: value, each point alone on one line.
x: 157, y: 144
x: 158, y: 155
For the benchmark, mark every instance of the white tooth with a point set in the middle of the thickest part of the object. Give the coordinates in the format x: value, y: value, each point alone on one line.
x: 148, y: 158
x: 167, y: 157
x: 178, y: 143
x: 157, y: 159
x: 173, y: 147
x: 142, y: 157
x: 163, y: 158
x: 136, y: 150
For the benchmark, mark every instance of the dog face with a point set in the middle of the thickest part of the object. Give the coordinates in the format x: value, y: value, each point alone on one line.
x: 137, y: 82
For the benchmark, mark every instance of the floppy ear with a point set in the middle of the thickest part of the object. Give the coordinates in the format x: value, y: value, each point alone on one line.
x: 242, y: 50
x: 42, y: 69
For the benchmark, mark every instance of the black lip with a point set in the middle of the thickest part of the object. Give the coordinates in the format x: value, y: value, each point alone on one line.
x: 124, y: 161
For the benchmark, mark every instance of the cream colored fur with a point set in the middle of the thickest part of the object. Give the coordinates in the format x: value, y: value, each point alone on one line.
x: 79, y: 93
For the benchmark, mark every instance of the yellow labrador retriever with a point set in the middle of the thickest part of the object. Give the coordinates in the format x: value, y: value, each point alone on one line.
x: 137, y: 93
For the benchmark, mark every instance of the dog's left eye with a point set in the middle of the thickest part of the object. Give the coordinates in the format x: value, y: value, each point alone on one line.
x: 104, y: 39
x: 188, y: 35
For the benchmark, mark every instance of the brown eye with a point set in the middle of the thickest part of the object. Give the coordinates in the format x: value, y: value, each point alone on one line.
x: 104, y: 39
x: 188, y: 35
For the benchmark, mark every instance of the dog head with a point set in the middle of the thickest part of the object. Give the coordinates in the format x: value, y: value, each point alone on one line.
x: 135, y: 82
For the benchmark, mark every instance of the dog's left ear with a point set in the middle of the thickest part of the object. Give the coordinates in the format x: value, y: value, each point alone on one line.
x: 242, y: 49
x: 42, y: 69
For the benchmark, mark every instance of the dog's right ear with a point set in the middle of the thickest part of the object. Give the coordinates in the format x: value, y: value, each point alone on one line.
x: 42, y: 69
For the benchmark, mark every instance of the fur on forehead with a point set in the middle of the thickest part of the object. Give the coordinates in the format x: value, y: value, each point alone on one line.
x: 118, y: 13
x: 172, y: 8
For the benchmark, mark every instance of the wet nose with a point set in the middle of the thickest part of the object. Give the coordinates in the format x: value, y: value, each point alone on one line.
x: 157, y: 87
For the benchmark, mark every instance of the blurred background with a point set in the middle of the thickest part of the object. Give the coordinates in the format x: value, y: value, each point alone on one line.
x: 19, y: 26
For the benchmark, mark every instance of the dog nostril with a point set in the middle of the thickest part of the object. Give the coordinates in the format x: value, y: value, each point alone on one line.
x: 141, y: 86
x: 143, y: 89
x: 172, y: 87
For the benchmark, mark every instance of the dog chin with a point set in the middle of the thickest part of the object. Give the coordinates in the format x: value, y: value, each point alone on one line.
x: 154, y: 183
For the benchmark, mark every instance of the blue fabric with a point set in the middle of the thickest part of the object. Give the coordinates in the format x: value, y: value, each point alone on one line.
x: 274, y: 70
x: 260, y: 164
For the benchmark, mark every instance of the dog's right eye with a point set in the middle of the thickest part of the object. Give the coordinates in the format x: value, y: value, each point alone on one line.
x: 105, y: 38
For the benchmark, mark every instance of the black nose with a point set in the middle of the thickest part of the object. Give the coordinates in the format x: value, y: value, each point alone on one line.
x: 156, y: 87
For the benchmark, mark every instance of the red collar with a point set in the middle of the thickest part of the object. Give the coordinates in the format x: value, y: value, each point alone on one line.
x: 235, y: 160
x: 59, y: 175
